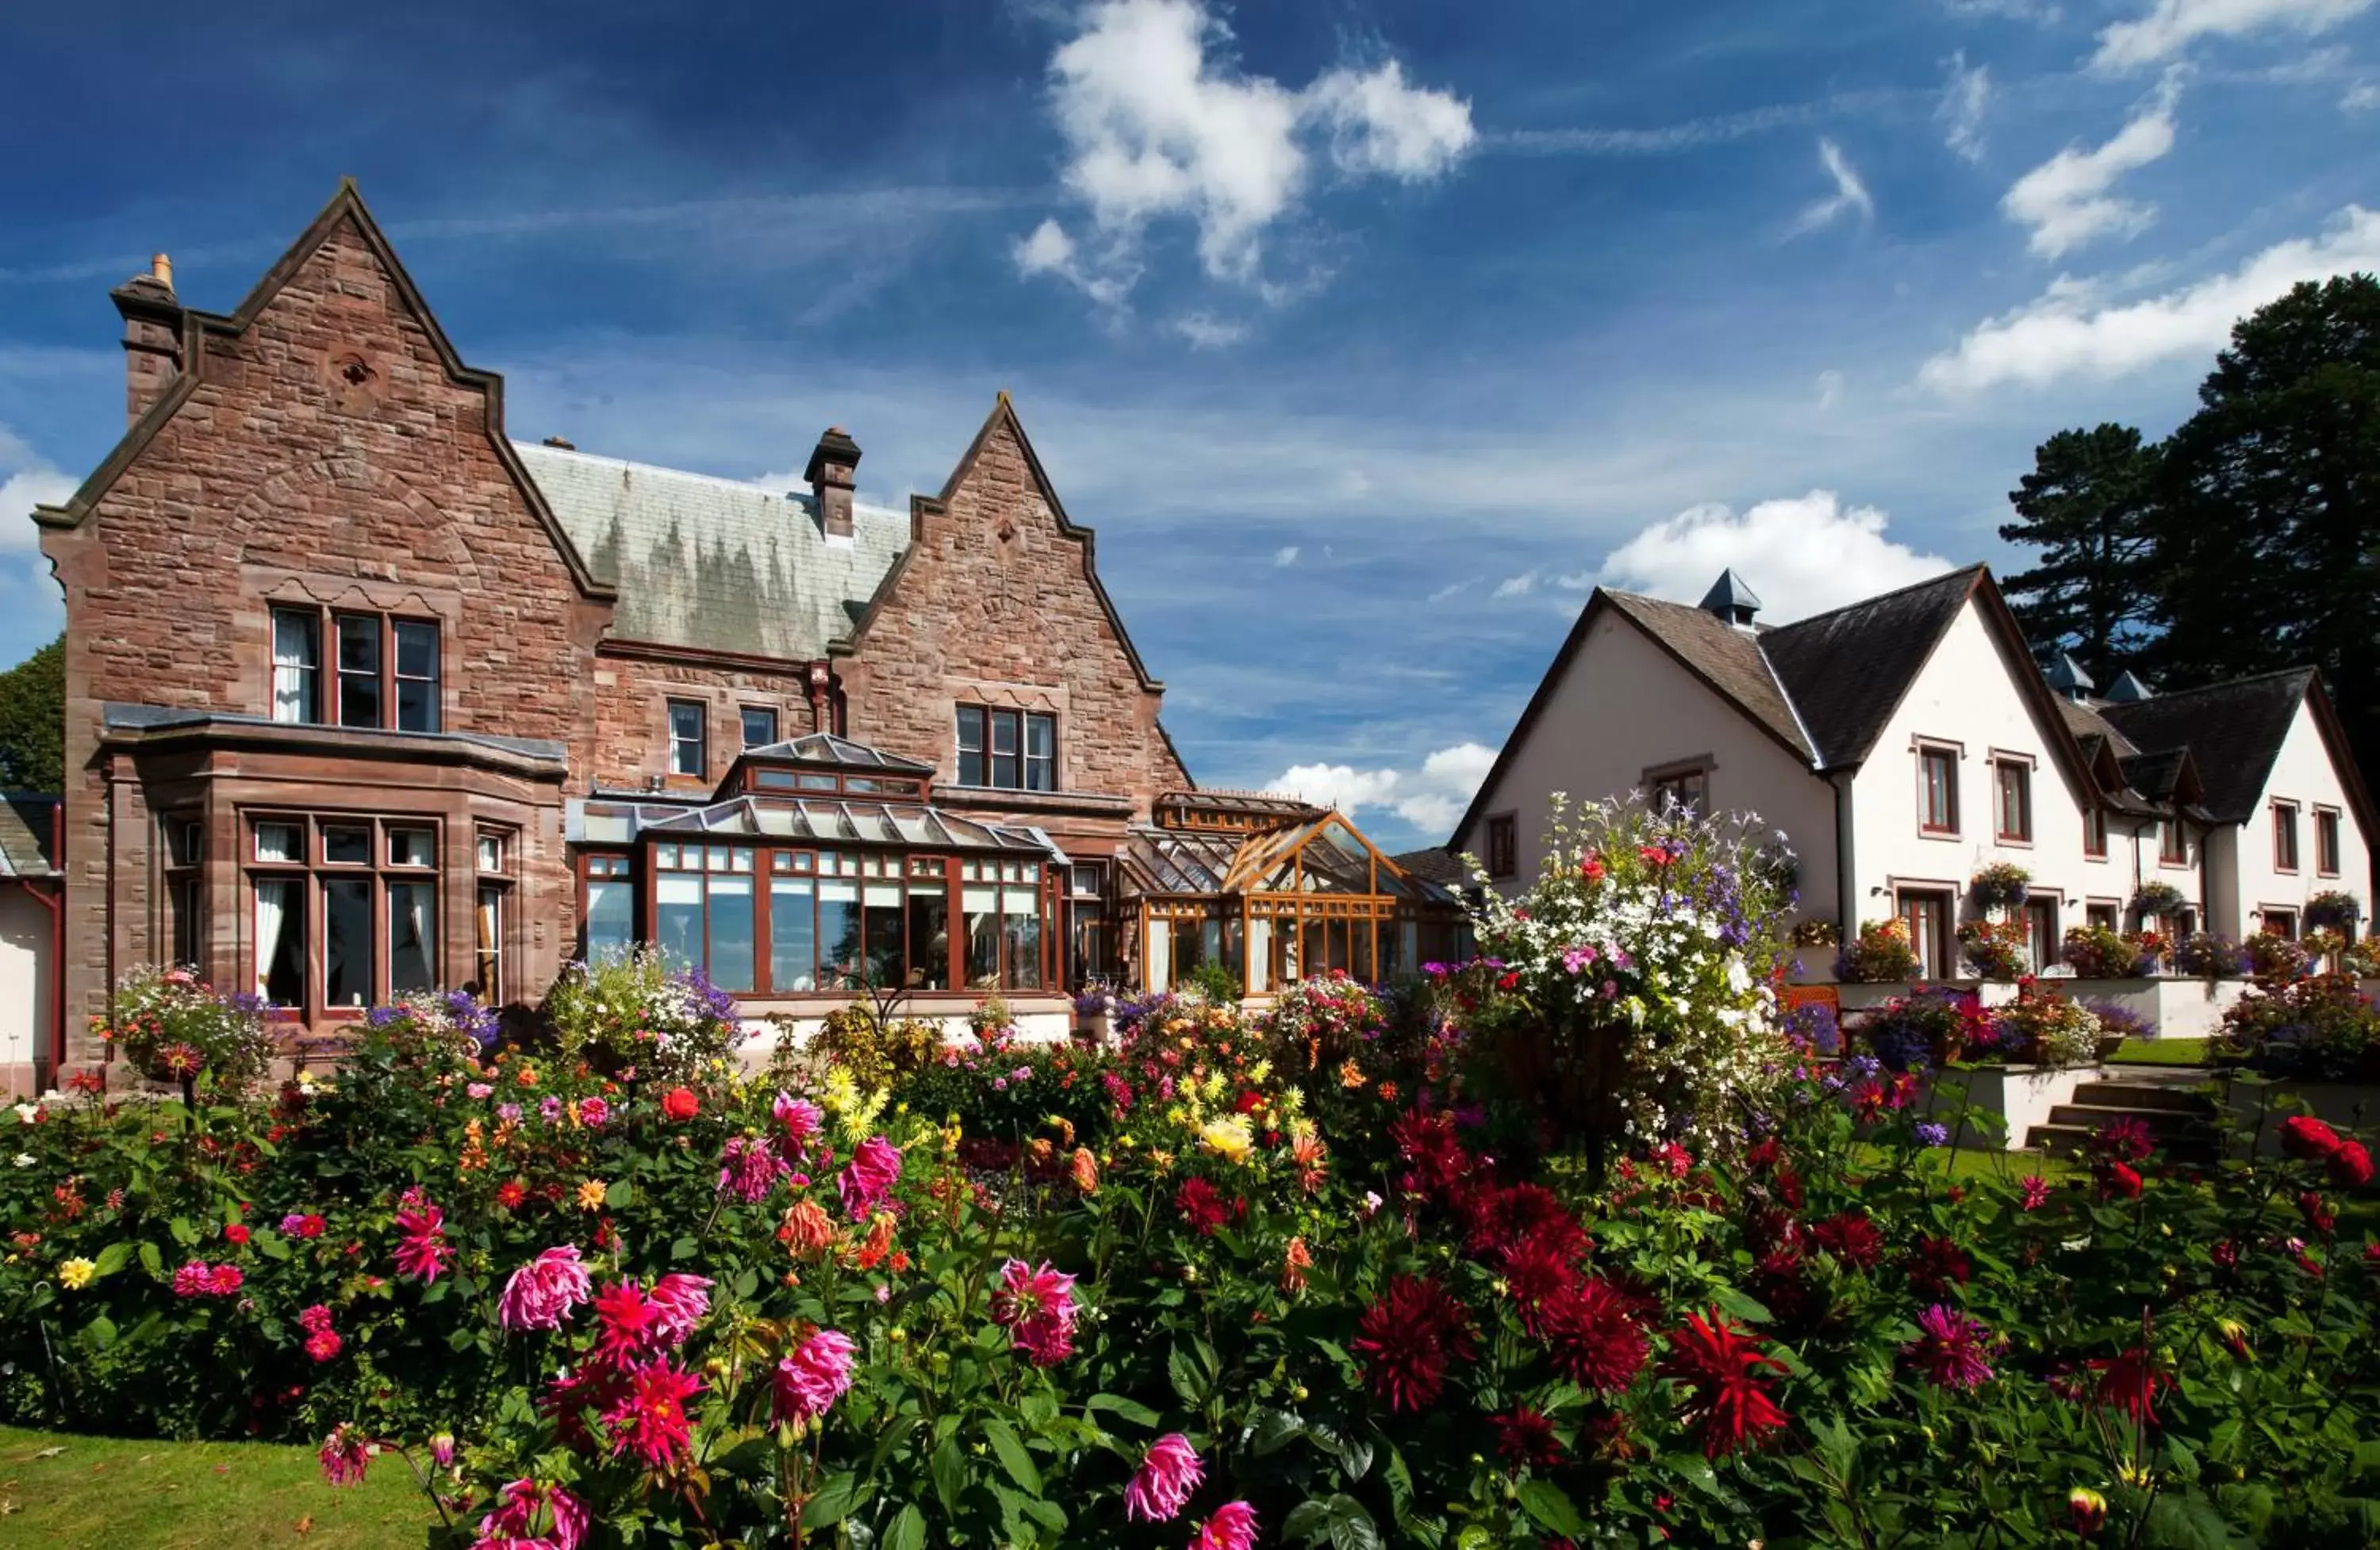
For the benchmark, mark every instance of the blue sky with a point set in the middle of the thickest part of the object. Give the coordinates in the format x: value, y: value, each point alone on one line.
x: 1368, y: 335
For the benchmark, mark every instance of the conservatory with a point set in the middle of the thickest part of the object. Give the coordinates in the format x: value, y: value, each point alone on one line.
x: 1272, y: 889
x: 820, y: 869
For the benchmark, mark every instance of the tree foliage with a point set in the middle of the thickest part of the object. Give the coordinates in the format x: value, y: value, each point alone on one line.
x: 2249, y: 539
x: 33, y: 719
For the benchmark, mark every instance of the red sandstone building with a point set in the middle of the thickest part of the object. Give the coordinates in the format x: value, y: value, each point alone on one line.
x: 363, y: 697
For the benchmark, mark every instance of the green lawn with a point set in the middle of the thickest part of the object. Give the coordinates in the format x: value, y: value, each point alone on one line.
x: 59, y: 1491
x: 2160, y: 1052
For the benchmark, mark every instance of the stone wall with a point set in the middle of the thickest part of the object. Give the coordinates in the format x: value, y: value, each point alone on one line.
x: 633, y: 690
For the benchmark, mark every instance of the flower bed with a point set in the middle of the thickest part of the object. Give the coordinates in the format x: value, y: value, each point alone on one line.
x: 1317, y: 1278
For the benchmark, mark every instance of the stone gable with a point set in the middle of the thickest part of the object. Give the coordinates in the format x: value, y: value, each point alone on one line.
x: 995, y: 603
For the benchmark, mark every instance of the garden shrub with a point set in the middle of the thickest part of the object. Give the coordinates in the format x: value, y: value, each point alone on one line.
x: 2276, y: 958
x: 1997, y: 950
x: 1910, y: 1033
x: 2204, y: 955
x: 636, y: 1015
x: 2101, y: 953
x: 1216, y: 984
x: 175, y: 1028
x: 1881, y: 955
x: 877, y: 1049
x: 2320, y: 1026
x: 2045, y: 1028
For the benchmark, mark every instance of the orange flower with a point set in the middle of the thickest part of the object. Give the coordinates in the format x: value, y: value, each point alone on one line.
x: 1294, y: 1263
x: 878, y: 1243
x: 805, y: 1230
x: 1086, y: 1170
x: 1351, y: 1075
x: 1387, y: 1092
x: 526, y: 1076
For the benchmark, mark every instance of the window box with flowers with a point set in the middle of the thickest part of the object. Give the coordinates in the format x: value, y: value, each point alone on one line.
x: 1997, y: 950
x: 2101, y: 953
x: 1881, y: 955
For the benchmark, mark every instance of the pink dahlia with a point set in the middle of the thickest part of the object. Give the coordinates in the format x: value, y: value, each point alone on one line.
x: 649, y: 1418
x: 421, y: 1249
x: 195, y: 1279
x: 1233, y: 1527
x: 542, y: 1293
x: 867, y: 1182
x: 1950, y: 1349
x: 626, y: 1324
x: 1169, y: 1473
x: 813, y: 1376
x: 593, y: 1113
x: 680, y: 1302
x: 347, y: 1454
x: 227, y: 1278
x: 799, y: 1118
x: 514, y: 1520
x: 748, y: 1170
x: 2033, y: 1191
x: 323, y: 1345
x: 1037, y: 1307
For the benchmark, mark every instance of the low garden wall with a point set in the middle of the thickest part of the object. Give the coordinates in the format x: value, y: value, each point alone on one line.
x: 2175, y: 1007
x: 1044, y: 1019
x: 2342, y: 1104
x: 2022, y: 1095
x: 1853, y: 998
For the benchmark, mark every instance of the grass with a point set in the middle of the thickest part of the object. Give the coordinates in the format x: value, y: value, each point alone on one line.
x: 2160, y: 1052
x: 62, y: 1491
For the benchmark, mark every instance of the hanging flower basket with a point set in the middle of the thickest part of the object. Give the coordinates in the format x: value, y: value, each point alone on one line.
x: 2158, y: 899
x: 2333, y: 910
x: 2001, y: 886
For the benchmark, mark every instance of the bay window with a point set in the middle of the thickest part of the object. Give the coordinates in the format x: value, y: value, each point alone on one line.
x: 344, y: 909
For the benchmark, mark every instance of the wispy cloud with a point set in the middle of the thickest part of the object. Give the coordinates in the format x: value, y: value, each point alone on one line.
x: 2171, y: 26
x: 1206, y: 332
x: 1850, y: 196
x: 1285, y: 556
x: 1161, y: 123
x: 1692, y: 134
x: 1965, y: 98
x: 2076, y: 329
x: 2065, y: 201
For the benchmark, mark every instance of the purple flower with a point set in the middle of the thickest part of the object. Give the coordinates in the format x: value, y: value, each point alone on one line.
x: 551, y: 1109
x: 509, y: 1113
x: 1950, y: 1349
x: 1931, y: 1134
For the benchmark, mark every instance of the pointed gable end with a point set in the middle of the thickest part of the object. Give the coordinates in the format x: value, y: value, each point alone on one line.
x: 345, y: 219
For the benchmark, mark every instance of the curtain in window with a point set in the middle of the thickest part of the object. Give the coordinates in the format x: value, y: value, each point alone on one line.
x: 489, y: 935
x: 412, y: 937
x: 293, y: 666
x: 280, y: 943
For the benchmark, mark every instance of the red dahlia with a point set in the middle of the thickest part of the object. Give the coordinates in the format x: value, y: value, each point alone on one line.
x: 1723, y: 1364
x: 1591, y: 1338
x: 1937, y: 1264
x: 2304, y: 1136
x: 1406, y: 1340
x: 1525, y: 1439
x: 1201, y: 1207
x: 1504, y: 1220
x: 1535, y: 1275
x: 1850, y: 1238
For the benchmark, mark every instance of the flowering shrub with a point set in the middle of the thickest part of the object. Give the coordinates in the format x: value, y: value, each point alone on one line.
x: 2000, y: 949
x: 2045, y: 1028
x: 1321, y: 1022
x: 635, y: 1013
x: 877, y: 1049
x: 1636, y: 976
x: 2319, y: 1026
x: 1928, y: 1028
x: 2208, y: 956
x: 2101, y: 953
x: 1881, y: 955
x: 1813, y: 1028
x: 2362, y: 959
x: 172, y: 1027
x: 2001, y: 885
x: 2276, y: 958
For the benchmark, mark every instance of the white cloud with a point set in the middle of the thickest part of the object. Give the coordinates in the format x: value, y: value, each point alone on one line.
x: 1851, y: 195
x: 1430, y: 799
x: 2361, y: 97
x: 1452, y: 587
x: 1802, y: 556
x: 2065, y: 200
x: 2075, y: 330
x: 1206, y: 332
x: 1161, y: 123
x: 1516, y: 585
x: 26, y: 589
x: 1285, y: 555
x: 2020, y: 10
x: 1960, y: 113
x: 2173, y: 26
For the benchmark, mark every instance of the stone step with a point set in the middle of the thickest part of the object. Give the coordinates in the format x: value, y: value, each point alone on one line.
x: 2160, y: 1121
x: 2142, y: 1095
x: 2067, y: 1140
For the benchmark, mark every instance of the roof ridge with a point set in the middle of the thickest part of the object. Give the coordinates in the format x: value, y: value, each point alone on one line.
x: 752, y: 486
x: 2163, y: 696
x: 1966, y: 570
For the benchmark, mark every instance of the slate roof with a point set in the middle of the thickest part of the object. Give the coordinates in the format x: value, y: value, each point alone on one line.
x: 824, y: 747
x: 1846, y: 671
x: 712, y: 563
x: 1727, y: 658
x: 2086, y: 723
x: 1438, y: 865
x: 2233, y: 732
x: 25, y: 834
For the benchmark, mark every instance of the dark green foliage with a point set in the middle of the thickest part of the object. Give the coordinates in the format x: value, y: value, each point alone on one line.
x: 33, y: 722
x: 2087, y: 506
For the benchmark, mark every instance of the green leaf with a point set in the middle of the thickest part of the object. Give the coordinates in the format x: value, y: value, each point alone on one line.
x: 1551, y: 1507
x: 1274, y: 1431
x: 101, y: 1330
x: 1341, y: 1519
x: 949, y: 1466
x: 1694, y: 1470
x: 685, y: 1248
x: 2185, y: 1524
x: 834, y: 1501
x: 111, y: 1259
x: 272, y: 1245
x: 184, y: 1233
x: 1127, y: 1410
x: 907, y: 1532
x: 1737, y: 1306
x: 1012, y: 1456
x: 620, y: 1194
x: 1188, y: 1382
x: 151, y: 1260
x: 1038, y: 1409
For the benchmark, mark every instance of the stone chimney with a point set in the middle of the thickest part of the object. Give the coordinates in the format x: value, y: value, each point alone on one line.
x: 833, y: 465
x: 152, y: 336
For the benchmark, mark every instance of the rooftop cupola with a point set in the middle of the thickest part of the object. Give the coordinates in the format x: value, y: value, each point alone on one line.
x: 2130, y: 689
x: 2069, y: 679
x: 1731, y: 599
x: 834, y: 464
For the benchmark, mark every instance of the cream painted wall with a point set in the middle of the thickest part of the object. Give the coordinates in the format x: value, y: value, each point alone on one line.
x: 2303, y: 773
x: 1968, y: 694
x: 1625, y: 706
x: 24, y: 975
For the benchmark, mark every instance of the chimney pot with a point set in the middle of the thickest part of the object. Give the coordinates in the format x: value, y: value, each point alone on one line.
x: 161, y: 269
x: 562, y: 441
x: 152, y: 336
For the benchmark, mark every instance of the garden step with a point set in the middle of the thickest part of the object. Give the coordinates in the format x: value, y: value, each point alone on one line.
x: 2068, y: 1139
x: 2143, y: 1094
x: 2160, y: 1121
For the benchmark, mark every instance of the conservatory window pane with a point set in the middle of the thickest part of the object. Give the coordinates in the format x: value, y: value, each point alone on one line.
x: 280, y: 942
x: 1021, y: 913
x: 982, y: 909
x: 677, y: 918
x: 610, y: 915
x: 731, y: 932
x: 792, y: 935
x: 929, y: 938
x: 882, y: 902
x: 838, y: 935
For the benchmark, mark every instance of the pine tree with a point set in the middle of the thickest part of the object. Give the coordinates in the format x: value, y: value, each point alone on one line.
x: 2087, y: 507
x: 33, y: 722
